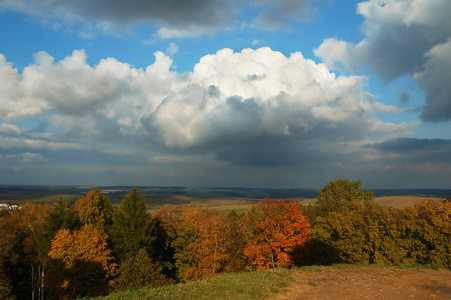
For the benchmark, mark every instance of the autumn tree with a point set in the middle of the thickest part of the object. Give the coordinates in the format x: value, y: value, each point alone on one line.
x: 171, y: 214
x: 95, y: 209
x: 280, y: 230
x: 61, y: 216
x: 205, y: 243
x: 434, y: 232
x: 27, y: 265
x: 7, y: 241
x: 237, y: 236
x: 209, y: 249
x: 81, y: 264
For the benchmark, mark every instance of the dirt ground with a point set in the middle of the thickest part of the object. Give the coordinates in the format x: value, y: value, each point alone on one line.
x: 371, y: 283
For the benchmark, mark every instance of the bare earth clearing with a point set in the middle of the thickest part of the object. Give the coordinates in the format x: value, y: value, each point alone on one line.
x: 371, y: 283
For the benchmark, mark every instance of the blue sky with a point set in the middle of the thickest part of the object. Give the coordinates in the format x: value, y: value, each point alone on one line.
x: 226, y: 93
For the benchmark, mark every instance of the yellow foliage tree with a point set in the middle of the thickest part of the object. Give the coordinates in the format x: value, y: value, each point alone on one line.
x: 81, y: 264
x: 95, y: 209
x: 209, y: 251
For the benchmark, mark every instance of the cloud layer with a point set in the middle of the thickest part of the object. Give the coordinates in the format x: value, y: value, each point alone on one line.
x: 403, y: 37
x: 235, y: 105
x: 413, y: 159
x: 172, y: 18
x: 239, y: 118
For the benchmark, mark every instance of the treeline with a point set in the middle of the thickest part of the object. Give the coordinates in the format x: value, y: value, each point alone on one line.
x: 92, y: 248
x: 349, y: 227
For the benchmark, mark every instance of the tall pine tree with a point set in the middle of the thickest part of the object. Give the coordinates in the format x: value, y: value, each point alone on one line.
x: 133, y: 228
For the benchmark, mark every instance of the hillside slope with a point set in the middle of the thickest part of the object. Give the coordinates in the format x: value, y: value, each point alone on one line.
x: 334, y: 282
x: 371, y: 283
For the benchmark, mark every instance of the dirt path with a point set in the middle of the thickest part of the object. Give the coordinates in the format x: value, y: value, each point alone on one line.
x: 371, y: 283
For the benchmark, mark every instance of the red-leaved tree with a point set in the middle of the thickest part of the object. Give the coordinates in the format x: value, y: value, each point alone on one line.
x: 280, y: 230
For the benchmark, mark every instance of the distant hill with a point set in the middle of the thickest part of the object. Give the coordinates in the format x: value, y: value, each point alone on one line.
x: 116, y: 193
x: 413, y: 192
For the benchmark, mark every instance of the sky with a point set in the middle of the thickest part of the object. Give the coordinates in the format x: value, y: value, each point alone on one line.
x: 207, y: 93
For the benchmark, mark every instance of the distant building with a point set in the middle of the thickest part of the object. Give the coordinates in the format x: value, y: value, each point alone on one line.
x: 5, y: 206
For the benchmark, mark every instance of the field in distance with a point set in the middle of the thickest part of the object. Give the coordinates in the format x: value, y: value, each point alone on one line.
x: 220, y: 198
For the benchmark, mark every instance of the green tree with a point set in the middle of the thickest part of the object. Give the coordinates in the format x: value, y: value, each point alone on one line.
x: 341, y: 194
x: 181, y: 233
x: 185, y: 235
x: 371, y: 234
x: 338, y: 196
x: 134, y: 228
x: 140, y: 271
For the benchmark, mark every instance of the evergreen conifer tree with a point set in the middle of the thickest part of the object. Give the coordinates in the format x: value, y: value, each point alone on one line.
x: 133, y: 227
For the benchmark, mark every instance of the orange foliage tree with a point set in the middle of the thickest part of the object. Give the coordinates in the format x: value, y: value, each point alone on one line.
x: 219, y: 246
x: 209, y: 251
x: 81, y: 264
x: 205, y: 243
x: 280, y: 230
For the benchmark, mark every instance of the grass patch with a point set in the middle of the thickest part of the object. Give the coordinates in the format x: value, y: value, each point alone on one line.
x: 54, y: 198
x: 249, y: 285
x: 36, y: 197
x: 312, y: 283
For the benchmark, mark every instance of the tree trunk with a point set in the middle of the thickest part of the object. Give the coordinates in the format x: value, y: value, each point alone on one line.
x: 272, y: 260
x: 272, y: 252
x: 41, y: 286
x: 33, y: 282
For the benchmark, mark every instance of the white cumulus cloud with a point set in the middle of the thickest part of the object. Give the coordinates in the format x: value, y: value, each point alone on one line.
x: 238, y: 105
x: 232, y: 101
x: 403, y: 37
